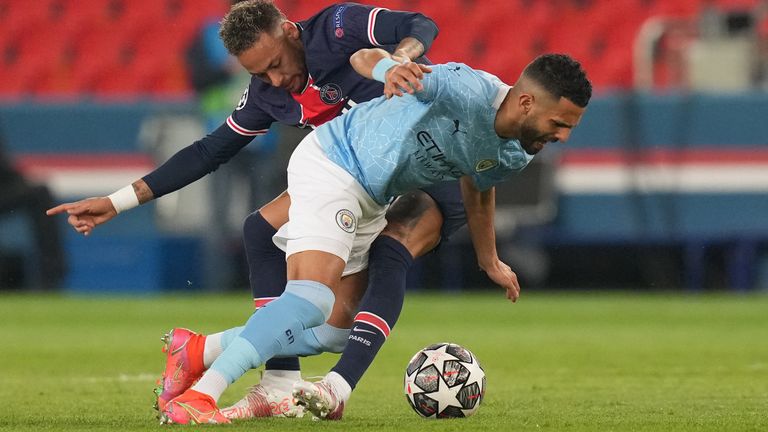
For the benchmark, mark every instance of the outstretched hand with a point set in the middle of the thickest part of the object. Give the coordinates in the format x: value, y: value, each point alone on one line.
x: 503, y: 275
x: 86, y: 214
x: 405, y: 77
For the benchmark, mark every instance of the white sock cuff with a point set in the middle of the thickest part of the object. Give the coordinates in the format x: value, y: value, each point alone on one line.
x: 280, y: 379
x: 213, y: 383
x: 342, y: 387
x: 212, y: 349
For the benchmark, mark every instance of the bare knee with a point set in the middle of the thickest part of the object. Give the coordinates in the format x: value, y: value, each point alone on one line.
x: 415, y: 221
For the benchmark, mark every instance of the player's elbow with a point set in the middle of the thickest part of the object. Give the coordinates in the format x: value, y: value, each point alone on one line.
x: 357, y: 60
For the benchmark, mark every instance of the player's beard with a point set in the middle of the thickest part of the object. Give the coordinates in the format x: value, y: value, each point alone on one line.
x: 531, y: 139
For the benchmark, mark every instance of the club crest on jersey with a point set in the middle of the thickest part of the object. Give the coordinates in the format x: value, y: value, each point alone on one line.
x: 485, y: 165
x: 243, y: 100
x: 346, y: 220
x: 330, y: 94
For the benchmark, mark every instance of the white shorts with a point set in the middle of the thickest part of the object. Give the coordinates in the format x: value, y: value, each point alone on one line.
x: 330, y: 211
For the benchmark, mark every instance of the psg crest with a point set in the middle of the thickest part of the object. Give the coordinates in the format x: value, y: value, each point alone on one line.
x: 330, y: 93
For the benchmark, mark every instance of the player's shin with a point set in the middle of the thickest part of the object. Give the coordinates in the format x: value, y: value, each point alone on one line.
x: 388, y: 265
x: 387, y: 269
x: 304, y: 304
x: 267, y: 270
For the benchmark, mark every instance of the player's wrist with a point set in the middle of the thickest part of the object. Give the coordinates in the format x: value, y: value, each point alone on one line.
x: 488, y: 263
x: 379, y: 72
x: 124, y: 199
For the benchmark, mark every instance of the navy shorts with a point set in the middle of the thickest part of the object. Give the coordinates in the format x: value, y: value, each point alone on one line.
x: 447, y: 195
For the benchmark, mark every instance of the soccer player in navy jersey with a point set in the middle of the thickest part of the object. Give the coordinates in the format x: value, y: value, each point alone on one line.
x: 301, y: 76
x: 342, y: 177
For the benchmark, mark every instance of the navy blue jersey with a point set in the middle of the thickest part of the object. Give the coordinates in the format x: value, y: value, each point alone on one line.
x: 329, y: 39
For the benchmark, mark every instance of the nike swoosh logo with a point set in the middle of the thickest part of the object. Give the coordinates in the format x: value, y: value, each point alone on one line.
x: 358, y: 329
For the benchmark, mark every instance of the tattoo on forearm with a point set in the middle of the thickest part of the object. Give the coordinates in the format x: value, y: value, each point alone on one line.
x: 410, y: 47
x: 143, y: 192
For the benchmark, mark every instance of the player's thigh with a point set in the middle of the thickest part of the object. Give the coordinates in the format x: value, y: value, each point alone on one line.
x: 275, y: 212
x: 315, y: 265
x: 420, y: 220
x: 329, y: 211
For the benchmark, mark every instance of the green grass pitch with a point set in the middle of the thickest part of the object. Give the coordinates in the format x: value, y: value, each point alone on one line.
x: 557, y: 362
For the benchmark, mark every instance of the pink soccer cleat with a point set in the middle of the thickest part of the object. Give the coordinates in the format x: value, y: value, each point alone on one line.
x: 183, y: 364
x: 192, y: 407
x: 320, y: 398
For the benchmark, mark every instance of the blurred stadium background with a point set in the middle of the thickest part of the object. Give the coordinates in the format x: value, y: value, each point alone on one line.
x: 663, y: 186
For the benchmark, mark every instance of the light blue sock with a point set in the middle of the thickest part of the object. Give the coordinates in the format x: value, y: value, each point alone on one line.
x: 331, y: 339
x: 227, y: 336
x: 239, y: 357
x: 320, y: 339
x: 275, y: 327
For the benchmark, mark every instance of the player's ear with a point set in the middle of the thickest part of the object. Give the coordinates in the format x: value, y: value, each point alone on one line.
x: 525, y: 102
x: 290, y: 29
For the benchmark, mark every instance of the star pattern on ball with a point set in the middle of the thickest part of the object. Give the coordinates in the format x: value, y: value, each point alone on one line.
x: 438, y: 357
x: 446, y: 396
x: 476, y: 372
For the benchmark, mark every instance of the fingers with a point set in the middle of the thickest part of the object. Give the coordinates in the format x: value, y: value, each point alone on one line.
x: 404, y: 78
x: 81, y: 225
x: 70, y: 208
x: 61, y: 208
x: 513, y: 287
x: 513, y: 293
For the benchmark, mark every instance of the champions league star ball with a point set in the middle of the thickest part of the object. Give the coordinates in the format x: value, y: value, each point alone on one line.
x: 444, y: 380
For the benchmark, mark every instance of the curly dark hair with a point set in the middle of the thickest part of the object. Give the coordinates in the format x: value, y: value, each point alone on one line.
x: 246, y: 21
x: 562, y: 76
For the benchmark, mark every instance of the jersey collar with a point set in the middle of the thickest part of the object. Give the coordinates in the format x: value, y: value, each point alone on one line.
x: 500, y: 95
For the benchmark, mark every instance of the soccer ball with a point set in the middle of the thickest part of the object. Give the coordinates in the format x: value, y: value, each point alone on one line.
x: 444, y: 380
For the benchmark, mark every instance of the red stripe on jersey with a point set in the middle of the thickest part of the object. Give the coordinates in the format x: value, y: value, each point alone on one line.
x: 243, y: 131
x: 261, y: 302
x: 372, y: 24
x: 375, y: 321
x: 314, y: 111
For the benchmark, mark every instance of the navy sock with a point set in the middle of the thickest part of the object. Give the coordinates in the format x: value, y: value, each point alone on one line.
x: 388, y: 266
x: 266, y: 264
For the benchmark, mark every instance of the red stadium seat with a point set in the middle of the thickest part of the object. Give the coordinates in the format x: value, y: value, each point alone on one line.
x: 678, y: 8
x: 99, y: 49
x: 116, y: 46
x: 14, y: 84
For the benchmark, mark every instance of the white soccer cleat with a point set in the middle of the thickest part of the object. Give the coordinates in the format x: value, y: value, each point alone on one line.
x: 320, y: 398
x: 263, y: 401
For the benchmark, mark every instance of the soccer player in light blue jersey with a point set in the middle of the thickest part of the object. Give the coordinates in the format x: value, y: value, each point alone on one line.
x: 456, y: 124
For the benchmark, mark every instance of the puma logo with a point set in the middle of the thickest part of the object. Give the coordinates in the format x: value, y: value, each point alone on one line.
x: 456, y: 125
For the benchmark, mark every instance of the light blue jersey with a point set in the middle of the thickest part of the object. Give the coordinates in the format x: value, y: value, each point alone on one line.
x: 393, y: 146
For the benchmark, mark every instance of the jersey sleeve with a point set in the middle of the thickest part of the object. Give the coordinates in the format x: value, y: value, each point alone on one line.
x: 354, y: 26
x: 207, y: 154
x: 248, y: 118
x: 196, y: 160
x: 485, y: 181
